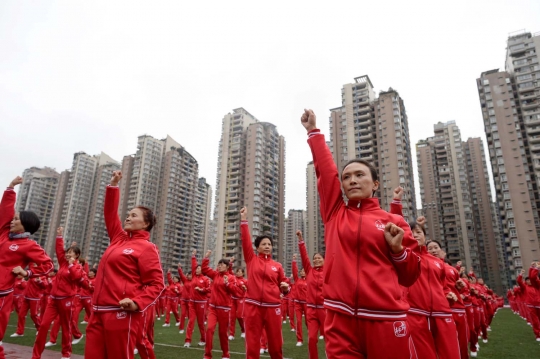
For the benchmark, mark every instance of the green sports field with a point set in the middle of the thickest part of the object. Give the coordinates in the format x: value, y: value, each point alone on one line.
x: 510, y: 338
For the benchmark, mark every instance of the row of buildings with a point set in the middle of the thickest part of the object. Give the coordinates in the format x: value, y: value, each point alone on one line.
x: 161, y: 175
x: 495, y: 238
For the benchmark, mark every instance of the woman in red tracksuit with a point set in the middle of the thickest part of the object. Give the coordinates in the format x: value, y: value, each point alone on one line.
x: 316, y: 313
x: 291, y: 296
x: 171, y: 293
x: 129, y: 280
x: 432, y: 326
x: 18, y: 293
x: 300, y: 300
x: 30, y: 301
x: 368, y: 257
x: 16, y: 252
x: 263, y: 300
x: 223, y: 287
x: 455, y: 285
x: 200, y: 287
x: 237, y: 311
x: 530, y: 299
x: 185, y: 297
x: 69, y: 276
x: 86, y: 293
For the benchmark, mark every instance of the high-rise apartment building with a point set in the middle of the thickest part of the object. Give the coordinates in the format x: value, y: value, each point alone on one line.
x: 203, y: 209
x: 486, y: 233
x: 56, y: 216
x: 444, y: 190
x: 295, y: 222
x: 510, y: 104
x: 37, y: 194
x: 314, y: 227
x: 251, y: 172
x: 79, y: 195
x: 376, y: 130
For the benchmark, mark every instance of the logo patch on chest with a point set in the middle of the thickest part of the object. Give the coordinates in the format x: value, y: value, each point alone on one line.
x: 437, y: 264
x: 128, y: 251
x: 13, y: 247
x: 379, y: 225
x: 274, y: 268
x: 400, y: 329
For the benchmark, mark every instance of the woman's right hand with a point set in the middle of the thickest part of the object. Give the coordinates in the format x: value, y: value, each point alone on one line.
x: 60, y: 231
x: 116, y: 177
x: 243, y: 214
x: 309, y: 120
x: 17, y: 180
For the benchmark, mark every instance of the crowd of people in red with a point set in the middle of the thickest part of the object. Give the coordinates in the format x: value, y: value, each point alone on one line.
x: 380, y: 281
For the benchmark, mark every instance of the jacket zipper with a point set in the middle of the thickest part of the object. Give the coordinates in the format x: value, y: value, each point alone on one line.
x: 358, y: 259
x: 262, y: 282
x: 430, y: 291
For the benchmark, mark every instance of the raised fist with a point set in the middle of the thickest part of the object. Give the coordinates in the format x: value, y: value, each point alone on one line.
x: 421, y: 221
x: 394, y: 236
x: 59, y: 231
x: 17, y: 180
x: 116, y: 177
x: 243, y: 214
x: 309, y: 120
x: 398, y: 193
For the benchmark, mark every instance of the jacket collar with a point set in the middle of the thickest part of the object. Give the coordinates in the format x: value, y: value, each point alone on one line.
x: 368, y: 204
x: 141, y: 234
x: 266, y: 257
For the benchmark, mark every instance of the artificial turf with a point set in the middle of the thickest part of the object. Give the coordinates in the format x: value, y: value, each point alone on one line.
x: 510, y: 338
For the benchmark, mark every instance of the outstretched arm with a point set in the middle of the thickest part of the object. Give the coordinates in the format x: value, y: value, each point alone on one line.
x: 402, y: 251
x: 328, y: 182
x: 206, y: 270
x: 7, y: 208
x: 303, y: 253
x: 396, y: 207
x: 110, y: 210
x: 247, y: 247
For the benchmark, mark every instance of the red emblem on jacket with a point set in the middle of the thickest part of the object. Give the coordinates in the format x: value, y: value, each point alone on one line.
x: 13, y: 247
x: 380, y: 226
x: 400, y: 329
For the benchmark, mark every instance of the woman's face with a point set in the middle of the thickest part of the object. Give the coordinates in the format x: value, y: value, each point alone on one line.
x: 135, y: 220
x: 198, y: 271
x: 318, y: 260
x: 71, y: 254
x: 239, y: 273
x: 91, y: 275
x: 434, y: 249
x: 265, y: 247
x: 222, y: 267
x: 16, y: 225
x: 302, y: 273
x: 357, y: 182
x: 419, y: 235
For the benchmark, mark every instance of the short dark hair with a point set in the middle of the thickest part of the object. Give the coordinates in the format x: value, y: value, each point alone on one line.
x: 224, y: 261
x: 413, y: 224
x: 93, y: 270
x: 240, y: 268
x: 148, y: 217
x: 372, y: 169
x: 259, y: 239
x: 433, y: 241
x: 29, y: 221
x: 526, y: 278
x: 75, y: 250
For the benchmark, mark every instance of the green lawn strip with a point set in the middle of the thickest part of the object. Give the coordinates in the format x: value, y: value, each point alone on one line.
x: 510, y: 338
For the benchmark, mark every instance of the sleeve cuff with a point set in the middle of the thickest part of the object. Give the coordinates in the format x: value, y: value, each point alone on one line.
x: 396, y: 201
x: 301, y: 242
x: 28, y: 273
x: 314, y: 132
x: 111, y: 186
x: 243, y: 222
x: 10, y: 189
x: 401, y: 256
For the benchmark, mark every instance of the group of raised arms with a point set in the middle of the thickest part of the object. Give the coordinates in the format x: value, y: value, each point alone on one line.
x: 381, y: 289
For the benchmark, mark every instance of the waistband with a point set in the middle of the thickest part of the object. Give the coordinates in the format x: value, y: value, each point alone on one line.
x: 429, y: 314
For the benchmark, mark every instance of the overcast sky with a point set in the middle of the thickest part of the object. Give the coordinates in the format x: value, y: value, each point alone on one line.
x: 92, y: 76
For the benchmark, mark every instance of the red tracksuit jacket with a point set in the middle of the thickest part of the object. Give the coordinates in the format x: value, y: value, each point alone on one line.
x: 265, y: 274
x: 535, y: 283
x: 221, y: 291
x: 69, y: 276
x: 199, y: 296
x: 362, y: 277
x: 186, y: 293
x: 240, y: 281
x: 19, y: 287
x: 452, y: 276
x: 301, y: 285
x: 34, y: 290
x: 428, y: 295
x: 528, y: 291
x: 17, y: 251
x: 130, y: 266
x: 171, y: 291
x: 314, y: 277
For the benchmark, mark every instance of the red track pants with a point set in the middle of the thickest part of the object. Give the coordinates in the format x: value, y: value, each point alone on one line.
x: 221, y: 317
x: 434, y: 337
x: 299, y: 310
x: 237, y: 312
x: 145, y: 336
x: 6, y: 304
x: 257, y: 317
x: 196, y: 312
x: 534, y: 313
x: 16, y: 304
x: 315, y: 323
x: 471, y: 322
x: 172, y: 306
x: 112, y: 335
x: 184, y: 306
x: 460, y: 318
x: 53, y: 336
x: 33, y: 305
x: 43, y: 304
x: 291, y: 314
x: 63, y: 309
x: 349, y: 337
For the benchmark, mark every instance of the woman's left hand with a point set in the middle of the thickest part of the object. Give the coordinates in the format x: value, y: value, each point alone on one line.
x: 129, y: 305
